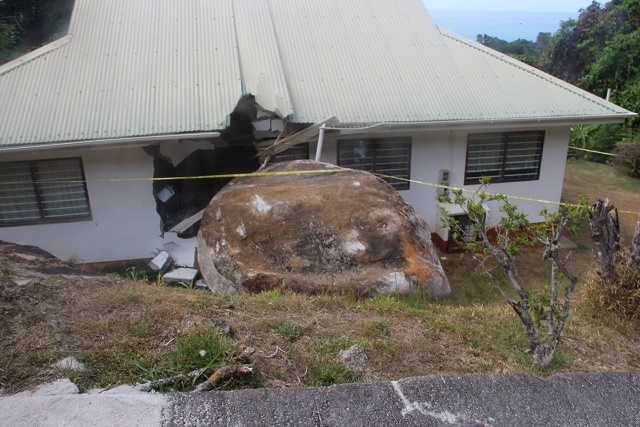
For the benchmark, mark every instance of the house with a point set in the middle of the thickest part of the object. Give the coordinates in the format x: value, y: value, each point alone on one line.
x: 146, y: 89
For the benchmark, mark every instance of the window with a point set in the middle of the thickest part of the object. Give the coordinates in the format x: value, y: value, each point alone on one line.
x: 43, y: 191
x: 385, y: 156
x: 504, y: 157
x: 297, y: 152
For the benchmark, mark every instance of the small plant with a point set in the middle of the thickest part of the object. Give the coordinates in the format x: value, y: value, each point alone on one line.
x: 380, y: 329
x: 202, y: 347
x: 73, y: 261
x: 289, y: 331
x: 133, y: 298
x: 142, y: 330
x: 137, y: 274
x: 329, y: 373
x: 269, y: 296
x: 543, y: 314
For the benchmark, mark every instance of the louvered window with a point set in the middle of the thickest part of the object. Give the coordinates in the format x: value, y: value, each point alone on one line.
x: 504, y: 157
x: 298, y: 152
x: 43, y: 191
x: 389, y: 157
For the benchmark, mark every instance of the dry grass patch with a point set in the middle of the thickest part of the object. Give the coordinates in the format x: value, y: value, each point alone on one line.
x: 129, y: 331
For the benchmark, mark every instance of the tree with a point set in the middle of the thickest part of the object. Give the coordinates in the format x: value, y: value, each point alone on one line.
x: 561, y: 58
x: 7, y: 40
x: 542, y: 314
x: 34, y: 23
x: 523, y: 50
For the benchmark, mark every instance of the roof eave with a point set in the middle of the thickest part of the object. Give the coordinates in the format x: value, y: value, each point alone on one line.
x: 135, y: 141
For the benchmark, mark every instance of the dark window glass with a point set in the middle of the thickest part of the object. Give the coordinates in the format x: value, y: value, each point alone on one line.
x: 504, y: 157
x: 388, y: 157
x: 43, y: 191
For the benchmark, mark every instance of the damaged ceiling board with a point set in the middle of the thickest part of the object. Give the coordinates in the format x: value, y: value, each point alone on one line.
x: 179, y: 150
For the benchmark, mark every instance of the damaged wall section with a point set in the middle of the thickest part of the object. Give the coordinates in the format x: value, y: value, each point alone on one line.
x: 236, y: 151
x: 183, y: 197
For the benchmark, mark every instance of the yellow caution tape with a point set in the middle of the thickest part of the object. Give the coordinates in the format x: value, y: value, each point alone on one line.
x: 593, y: 151
x: 280, y: 173
x: 181, y: 178
x: 526, y: 199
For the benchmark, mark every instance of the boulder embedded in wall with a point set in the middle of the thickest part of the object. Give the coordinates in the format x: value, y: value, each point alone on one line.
x: 344, y: 231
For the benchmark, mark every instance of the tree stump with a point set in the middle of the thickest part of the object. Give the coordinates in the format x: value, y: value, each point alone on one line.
x: 634, y: 258
x: 605, y: 232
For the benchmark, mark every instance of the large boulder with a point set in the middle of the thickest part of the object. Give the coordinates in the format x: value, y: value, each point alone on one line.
x: 345, y: 232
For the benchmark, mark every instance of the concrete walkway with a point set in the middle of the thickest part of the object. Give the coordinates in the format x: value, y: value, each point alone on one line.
x: 603, y: 399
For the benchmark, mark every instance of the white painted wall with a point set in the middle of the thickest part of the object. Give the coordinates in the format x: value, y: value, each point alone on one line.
x: 124, y: 222
x: 446, y: 149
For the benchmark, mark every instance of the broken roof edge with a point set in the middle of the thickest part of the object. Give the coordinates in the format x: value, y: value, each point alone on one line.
x: 132, y: 141
x: 35, y: 54
x: 537, y: 72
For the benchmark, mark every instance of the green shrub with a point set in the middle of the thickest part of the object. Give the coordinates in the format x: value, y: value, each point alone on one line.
x: 628, y: 154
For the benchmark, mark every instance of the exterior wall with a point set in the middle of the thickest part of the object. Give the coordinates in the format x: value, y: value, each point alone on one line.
x: 124, y: 222
x: 446, y: 149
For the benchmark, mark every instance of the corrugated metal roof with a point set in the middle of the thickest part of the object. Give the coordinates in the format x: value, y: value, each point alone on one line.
x: 139, y: 67
x: 260, y: 60
x: 370, y: 61
x: 144, y: 67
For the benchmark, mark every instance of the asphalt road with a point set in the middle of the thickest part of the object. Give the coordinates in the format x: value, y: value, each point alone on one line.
x: 609, y: 399
x: 601, y: 399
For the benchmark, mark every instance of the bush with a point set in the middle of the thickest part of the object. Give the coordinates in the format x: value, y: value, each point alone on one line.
x: 604, y: 138
x: 623, y: 296
x: 628, y: 153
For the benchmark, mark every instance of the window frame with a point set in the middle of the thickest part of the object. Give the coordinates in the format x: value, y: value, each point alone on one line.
x: 39, y: 194
x: 508, y: 138
x: 401, y: 183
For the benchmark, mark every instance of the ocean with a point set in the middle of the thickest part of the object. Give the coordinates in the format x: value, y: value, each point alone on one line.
x: 507, y: 26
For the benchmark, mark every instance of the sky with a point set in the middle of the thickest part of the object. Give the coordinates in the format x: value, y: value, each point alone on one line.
x: 506, y: 19
x: 509, y: 5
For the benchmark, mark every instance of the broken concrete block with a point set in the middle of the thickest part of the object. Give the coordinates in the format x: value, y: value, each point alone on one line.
x: 161, y: 262
x: 181, y: 275
x: 201, y: 284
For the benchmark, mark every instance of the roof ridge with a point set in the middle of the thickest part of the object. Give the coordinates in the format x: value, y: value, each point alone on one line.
x: 41, y: 51
x: 535, y: 71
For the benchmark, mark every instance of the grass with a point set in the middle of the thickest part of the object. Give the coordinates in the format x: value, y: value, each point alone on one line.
x: 129, y: 331
x: 597, y: 175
